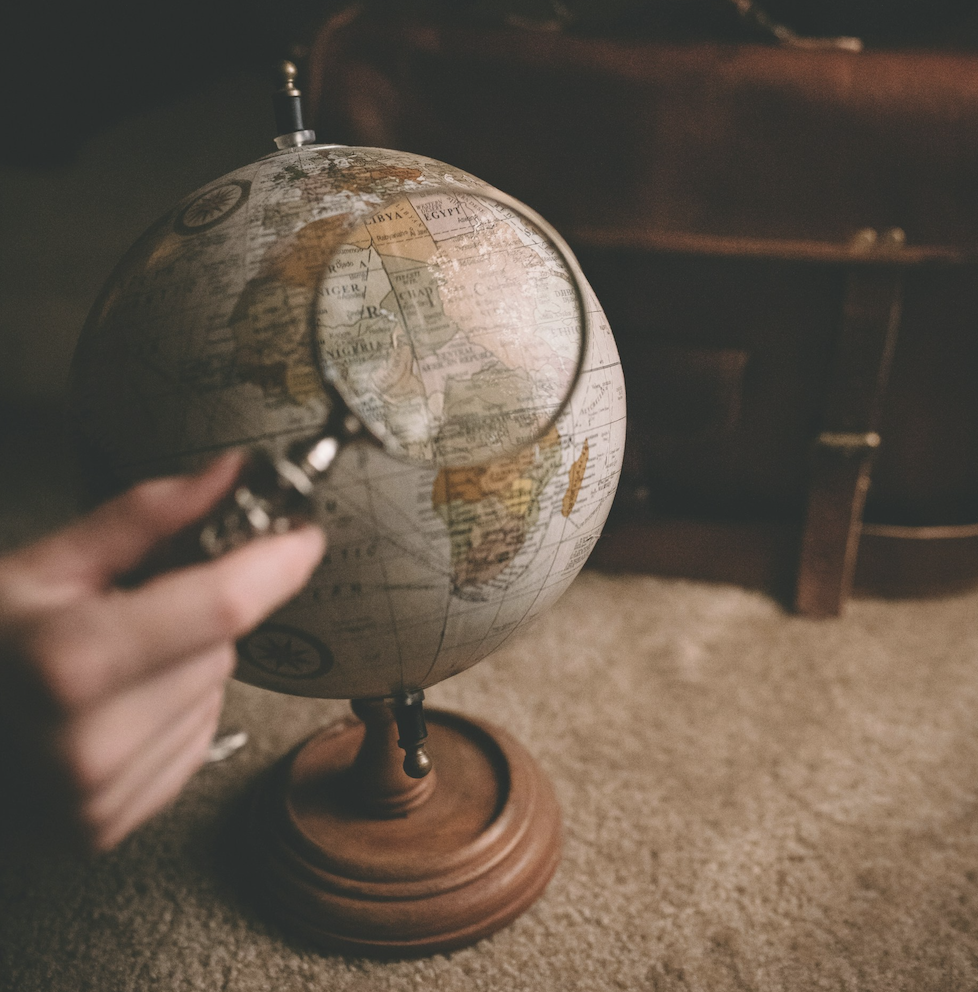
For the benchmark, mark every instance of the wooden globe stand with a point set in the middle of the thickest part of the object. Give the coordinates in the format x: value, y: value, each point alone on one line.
x: 354, y: 855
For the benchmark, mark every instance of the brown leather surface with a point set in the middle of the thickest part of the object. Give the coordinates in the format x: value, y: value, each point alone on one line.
x: 731, y: 140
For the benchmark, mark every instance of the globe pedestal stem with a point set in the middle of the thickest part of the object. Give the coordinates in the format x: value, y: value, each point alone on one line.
x: 351, y: 854
x: 377, y: 774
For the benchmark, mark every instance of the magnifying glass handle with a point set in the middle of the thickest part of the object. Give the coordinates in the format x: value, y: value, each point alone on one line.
x: 274, y: 495
x: 265, y: 500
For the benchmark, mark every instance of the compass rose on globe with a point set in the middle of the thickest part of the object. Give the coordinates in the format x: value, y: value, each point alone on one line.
x: 285, y: 652
x: 212, y: 207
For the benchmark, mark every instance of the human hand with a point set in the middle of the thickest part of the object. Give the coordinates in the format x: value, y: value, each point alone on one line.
x: 110, y: 694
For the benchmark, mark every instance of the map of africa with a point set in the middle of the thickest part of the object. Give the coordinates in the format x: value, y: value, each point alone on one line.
x: 212, y: 333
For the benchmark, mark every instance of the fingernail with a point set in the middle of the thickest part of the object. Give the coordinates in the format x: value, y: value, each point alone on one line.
x: 312, y: 536
x: 223, y: 461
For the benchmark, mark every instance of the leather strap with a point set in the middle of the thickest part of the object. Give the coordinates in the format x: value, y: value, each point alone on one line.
x: 845, y: 449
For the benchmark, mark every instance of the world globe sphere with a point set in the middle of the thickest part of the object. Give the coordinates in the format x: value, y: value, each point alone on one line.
x: 201, y: 341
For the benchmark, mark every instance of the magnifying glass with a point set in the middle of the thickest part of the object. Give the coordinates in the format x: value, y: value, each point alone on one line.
x: 449, y: 328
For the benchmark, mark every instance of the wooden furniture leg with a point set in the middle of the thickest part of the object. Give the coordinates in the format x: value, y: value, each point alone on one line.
x: 844, y: 450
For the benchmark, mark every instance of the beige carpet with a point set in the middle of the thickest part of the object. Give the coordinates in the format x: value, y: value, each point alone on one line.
x: 752, y: 801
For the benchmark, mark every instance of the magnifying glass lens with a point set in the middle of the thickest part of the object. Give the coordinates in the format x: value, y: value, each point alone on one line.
x: 452, y: 325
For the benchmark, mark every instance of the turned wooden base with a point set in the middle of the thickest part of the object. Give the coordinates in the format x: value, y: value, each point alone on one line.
x: 355, y: 856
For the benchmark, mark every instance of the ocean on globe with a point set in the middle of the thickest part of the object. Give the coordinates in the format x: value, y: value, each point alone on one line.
x: 204, y: 338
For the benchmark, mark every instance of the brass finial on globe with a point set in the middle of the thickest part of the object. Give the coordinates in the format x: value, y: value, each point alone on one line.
x: 287, y: 73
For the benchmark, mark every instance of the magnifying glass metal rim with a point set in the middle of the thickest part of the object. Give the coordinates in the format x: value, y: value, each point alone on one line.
x: 339, y: 420
x: 277, y: 493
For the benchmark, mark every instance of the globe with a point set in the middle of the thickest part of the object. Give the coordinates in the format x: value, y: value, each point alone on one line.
x: 202, y: 340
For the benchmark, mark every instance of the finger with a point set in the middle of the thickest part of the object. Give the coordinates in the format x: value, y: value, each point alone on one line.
x: 96, y: 649
x: 166, y: 790
x: 116, y: 536
x: 185, y: 612
x: 155, y: 779
x: 96, y: 747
